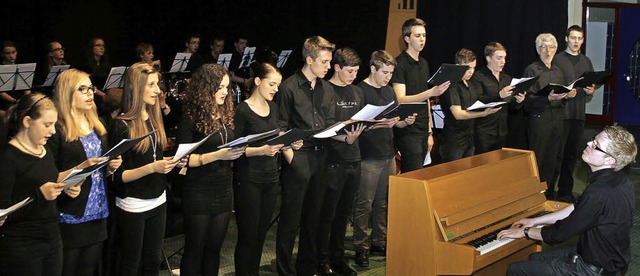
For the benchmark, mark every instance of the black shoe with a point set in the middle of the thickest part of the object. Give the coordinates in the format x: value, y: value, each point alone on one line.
x: 378, y: 251
x: 362, y: 258
x: 325, y: 269
x: 343, y: 269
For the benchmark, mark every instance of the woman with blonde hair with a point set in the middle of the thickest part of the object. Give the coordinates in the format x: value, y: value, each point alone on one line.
x: 140, y: 182
x: 80, y: 136
x: 207, y: 196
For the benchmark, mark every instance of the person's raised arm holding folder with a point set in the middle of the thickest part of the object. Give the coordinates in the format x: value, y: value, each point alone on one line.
x: 410, y: 85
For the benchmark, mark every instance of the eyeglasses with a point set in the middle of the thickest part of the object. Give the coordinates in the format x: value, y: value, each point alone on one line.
x: 98, y: 45
x: 594, y: 145
x: 85, y: 89
x: 547, y: 47
x: 56, y: 49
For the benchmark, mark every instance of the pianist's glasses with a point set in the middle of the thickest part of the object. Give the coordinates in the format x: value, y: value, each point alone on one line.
x: 85, y: 89
x: 594, y: 145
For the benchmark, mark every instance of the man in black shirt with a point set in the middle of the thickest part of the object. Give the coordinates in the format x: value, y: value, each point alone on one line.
x: 216, y: 46
x: 343, y: 168
x: 192, y: 44
x: 491, y: 84
x: 378, y: 163
x: 602, y: 216
x: 457, y: 135
x: 572, y: 64
x: 410, y: 85
x: 545, y: 111
x: 305, y: 101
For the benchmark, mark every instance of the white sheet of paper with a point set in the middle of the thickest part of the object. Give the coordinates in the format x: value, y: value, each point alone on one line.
x: 25, y: 79
x: 55, y: 70
x: 515, y: 81
x: 427, y: 159
x: 247, y: 57
x: 283, y: 57
x: 370, y: 111
x: 7, y: 75
x: 479, y: 105
x: 14, y: 207
x: 180, y: 62
x: 330, y: 132
x: 224, y: 60
x: 115, y: 78
x: 184, y: 149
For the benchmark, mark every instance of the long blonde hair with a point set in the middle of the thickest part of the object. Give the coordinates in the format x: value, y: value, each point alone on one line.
x: 66, y: 86
x: 133, y: 104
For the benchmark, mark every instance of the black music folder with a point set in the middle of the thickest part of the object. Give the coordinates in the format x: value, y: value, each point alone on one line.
x: 448, y: 72
x: 589, y: 78
x: 521, y: 85
x: 289, y: 137
x: 404, y: 110
x: 558, y: 88
x: 480, y: 106
x: 250, y: 139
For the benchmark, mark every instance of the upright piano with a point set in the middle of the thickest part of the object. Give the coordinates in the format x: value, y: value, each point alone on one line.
x: 443, y: 219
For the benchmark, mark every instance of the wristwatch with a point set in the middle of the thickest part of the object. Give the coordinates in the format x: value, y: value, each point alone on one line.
x: 526, y: 232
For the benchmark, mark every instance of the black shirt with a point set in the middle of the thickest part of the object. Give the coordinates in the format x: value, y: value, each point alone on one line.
x: 256, y: 168
x: 377, y: 143
x: 22, y: 176
x: 573, y: 67
x: 349, y: 101
x: 306, y: 108
x: 603, y: 218
x: 537, y: 104
x: 147, y: 187
x: 414, y: 75
x: 487, y: 89
x: 457, y: 132
x: 67, y: 155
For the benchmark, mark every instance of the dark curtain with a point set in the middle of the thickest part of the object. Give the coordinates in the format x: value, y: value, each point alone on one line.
x: 360, y: 24
x: 456, y: 24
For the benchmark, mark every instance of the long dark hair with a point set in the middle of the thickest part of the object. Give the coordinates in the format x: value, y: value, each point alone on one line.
x: 199, y: 102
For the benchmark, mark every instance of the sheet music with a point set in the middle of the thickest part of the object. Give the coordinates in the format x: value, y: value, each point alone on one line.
x: 124, y: 145
x: 186, y: 148
x: 438, y: 116
x: 247, y: 57
x: 481, y: 105
x: 76, y: 176
x: 180, y: 62
x: 515, y: 81
x: 250, y: 138
x: 53, y: 74
x: 115, y: 78
x: 369, y: 112
x: 427, y: 159
x: 283, y: 57
x: 225, y: 60
x: 15, y: 207
x: 24, y: 78
x: 7, y: 75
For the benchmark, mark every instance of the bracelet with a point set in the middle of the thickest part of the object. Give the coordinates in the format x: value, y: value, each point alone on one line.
x: 164, y: 107
x: 200, y: 160
x: 526, y: 232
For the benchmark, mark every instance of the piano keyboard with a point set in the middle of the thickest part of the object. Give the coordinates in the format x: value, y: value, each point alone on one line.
x: 489, y: 242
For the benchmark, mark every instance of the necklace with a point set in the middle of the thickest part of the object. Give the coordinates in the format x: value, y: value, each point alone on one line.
x: 224, y: 140
x: 29, y: 150
x: 154, y: 144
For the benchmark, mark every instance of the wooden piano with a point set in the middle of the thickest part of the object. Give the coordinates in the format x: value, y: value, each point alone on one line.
x: 443, y: 219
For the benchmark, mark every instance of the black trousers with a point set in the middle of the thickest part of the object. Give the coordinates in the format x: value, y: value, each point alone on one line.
x: 30, y: 256
x: 413, y: 149
x: 254, y: 205
x: 545, y: 132
x: 573, y: 131
x: 486, y: 142
x: 554, y: 262
x: 140, y: 236
x: 303, y: 186
x: 343, y: 180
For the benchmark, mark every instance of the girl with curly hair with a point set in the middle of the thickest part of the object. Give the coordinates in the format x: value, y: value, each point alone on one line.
x: 207, y: 196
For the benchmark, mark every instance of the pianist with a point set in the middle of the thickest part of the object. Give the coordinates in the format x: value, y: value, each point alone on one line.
x: 602, y: 216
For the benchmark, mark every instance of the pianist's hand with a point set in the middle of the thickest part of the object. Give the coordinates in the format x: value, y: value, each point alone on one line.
x: 511, y: 233
x: 525, y: 222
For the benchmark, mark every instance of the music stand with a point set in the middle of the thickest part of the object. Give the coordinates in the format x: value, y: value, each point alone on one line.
x: 16, y: 77
x: 283, y: 57
x: 180, y: 62
x: 247, y: 57
x: 54, y: 73
x: 225, y: 60
x: 115, y: 78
